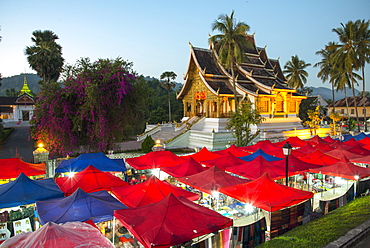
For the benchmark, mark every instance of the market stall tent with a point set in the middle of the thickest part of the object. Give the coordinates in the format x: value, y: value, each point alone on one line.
x: 293, y: 141
x: 295, y: 164
x: 153, y: 160
x: 329, y: 139
x: 259, y: 166
x: 89, y: 180
x: 260, y: 152
x: 99, y: 160
x: 187, y: 168
x: 306, y: 149
x: 24, y: 190
x: 266, y: 194
x: 150, y: 191
x: 266, y: 146
x: 341, y: 153
x: 359, y: 149
x: 365, y: 141
x: 344, y: 169
x: 319, y: 158
x: 227, y: 160
x: 71, y: 234
x: 211, y: 180
x: 171, y: 221
x: 79, y: 206
x: 234, y: 150
x: 203, y: 155
x: 13, y: 167
x: 317, y: 140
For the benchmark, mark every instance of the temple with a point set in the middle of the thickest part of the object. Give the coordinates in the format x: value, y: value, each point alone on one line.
x: 208, y: 89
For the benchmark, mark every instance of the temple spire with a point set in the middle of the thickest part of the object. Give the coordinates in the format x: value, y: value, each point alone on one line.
x: 25, y: 89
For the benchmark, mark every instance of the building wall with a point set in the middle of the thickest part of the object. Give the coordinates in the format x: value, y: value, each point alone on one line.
x: 352, y: 111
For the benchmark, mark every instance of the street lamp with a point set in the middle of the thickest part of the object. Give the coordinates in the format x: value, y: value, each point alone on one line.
x: 287, y: 150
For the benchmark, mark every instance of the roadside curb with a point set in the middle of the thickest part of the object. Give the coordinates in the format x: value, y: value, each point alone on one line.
x: 352, y: 237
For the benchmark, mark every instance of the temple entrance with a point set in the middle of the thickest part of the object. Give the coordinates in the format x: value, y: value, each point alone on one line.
x: 199, y: 111
x: 25, y: 115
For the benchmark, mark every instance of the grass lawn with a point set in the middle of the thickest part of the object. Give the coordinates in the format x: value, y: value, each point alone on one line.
x: 323, y: 230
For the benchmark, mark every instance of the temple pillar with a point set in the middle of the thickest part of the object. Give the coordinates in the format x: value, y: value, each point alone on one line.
x: 218, y: 108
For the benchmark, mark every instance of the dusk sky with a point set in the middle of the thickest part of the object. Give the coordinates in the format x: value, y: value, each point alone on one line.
x: 155, y: 35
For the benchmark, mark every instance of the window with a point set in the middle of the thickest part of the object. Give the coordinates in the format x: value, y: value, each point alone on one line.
x: 342, y: 111
x: 352, y: 111
x: 292, y: 107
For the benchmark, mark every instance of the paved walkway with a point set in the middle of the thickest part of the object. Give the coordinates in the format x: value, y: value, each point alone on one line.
x: 19, y: 143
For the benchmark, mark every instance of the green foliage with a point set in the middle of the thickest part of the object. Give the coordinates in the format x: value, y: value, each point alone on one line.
x: 159, y: 101
x: 326, y: 229
x: 100, y: 103
x: 241, y: 122
x: 45, y: 57
x: 306, y: 105
x: 295, y: 72
x: 11, y: 92
x: 167, y: 76
x: 351, y: 123
x: 314, y: 119
x: 147, y: 144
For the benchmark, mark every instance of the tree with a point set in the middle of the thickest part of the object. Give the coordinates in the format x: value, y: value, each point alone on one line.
x: 326, y: 67
x: 241, y: 122
x: 363, y: 54
x: 100, y: 103
x: 45, y: 57
x: 11, y: 92
x: 347, y: 53
x: 295, y: 73
x: 314, y: 119
x: 336, y: 118
x: 230, y: 44
x: 167, y: 76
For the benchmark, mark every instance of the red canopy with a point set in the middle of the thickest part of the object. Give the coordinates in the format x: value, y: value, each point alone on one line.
x: 344, y: 169
x: 293, y: 141
x: 150, y: 191
x: 365, y: 141
x: 236, y: 151
x: 329, y: 139
x: 203, y: 155
x: 360, y: 150
x: 295, y: 164
x: 323, y: 147
x: 154, y: 160
x: 264, y: 193
x: 267, y: 147
x: 341, y: 153
x: 306, y: 149
x: 337, y: 144
x: 70, y: 234
x: 361, y: 159
x: 259, y: 166
x: 316, y: 140
x: 188, y: 168
x: 13, y: 167
x: 227, y: 160
x: 171, y: 221
x: 90, y: 180
x: 351, y: 142
x: 319, y: 158
x: 211, y: 180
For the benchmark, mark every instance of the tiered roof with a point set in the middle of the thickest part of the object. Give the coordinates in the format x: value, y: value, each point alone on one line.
x: 257, y: 75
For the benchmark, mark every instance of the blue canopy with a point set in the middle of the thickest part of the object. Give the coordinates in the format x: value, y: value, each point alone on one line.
x: 257, y: 153
x: 80, y: 206
x: 24, y: 190
x: 98, y: 160
x: 360, y: 136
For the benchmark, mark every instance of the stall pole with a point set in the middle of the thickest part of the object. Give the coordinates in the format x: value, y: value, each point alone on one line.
x: 114, y: 228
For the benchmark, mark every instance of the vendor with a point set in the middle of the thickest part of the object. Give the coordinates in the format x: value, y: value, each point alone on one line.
x: 125, y: 237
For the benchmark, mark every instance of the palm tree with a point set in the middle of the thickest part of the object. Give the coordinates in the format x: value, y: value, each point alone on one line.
x: 45, y: 57
x: 326, y: 68
x: 347, y: 55
x: 230, y: 44
x: 295, y: 72
x: 167, y: 76
x: 363, y: 54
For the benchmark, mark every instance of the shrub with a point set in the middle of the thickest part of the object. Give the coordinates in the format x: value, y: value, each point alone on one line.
x: 147, y: 144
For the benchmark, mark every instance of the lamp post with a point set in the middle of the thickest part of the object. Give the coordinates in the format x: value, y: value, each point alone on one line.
x: 287, y: 150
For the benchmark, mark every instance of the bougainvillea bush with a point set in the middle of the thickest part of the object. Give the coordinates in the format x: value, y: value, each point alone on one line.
x: 98, y: 104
